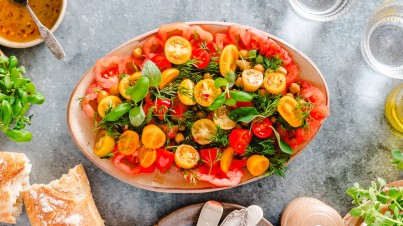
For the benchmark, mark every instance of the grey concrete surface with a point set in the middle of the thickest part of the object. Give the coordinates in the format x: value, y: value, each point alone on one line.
x: 353, y: 145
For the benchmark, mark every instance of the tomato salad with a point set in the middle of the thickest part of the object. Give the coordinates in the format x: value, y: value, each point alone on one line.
x: 207, y: 105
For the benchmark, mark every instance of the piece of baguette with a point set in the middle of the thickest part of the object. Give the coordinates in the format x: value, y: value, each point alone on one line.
x: 14, y: 177
x: 67, y: 201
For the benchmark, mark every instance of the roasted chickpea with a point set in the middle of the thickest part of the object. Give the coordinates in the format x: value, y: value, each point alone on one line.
x: 294, y: 88
x: 182, y: 128
x: 200, y: 115
x: 273, y: 119
x: 262, y: 92
x: 207, y: 76
x: 282, y: 70
x: 114, y: 90
x: 238, y: 81
x: 195, y: 108
x: 244, y: 124
x: 179, y: 138
x: 289, y: 94
x: 259, y: 67
x: 102, y: 95
x: 137, y: 52
x: 243, y: 64
x: 243, y: 53
x: 238, y: 126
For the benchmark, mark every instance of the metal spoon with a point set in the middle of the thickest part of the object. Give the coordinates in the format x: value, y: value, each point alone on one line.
x: 47, y: 36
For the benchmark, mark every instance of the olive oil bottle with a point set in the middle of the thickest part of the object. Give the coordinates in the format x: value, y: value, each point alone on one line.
x: 394, y: 108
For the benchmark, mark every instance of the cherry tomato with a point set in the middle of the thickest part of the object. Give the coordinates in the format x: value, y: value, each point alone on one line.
x: 229, y: 55
x: 164, y: 160
x: 274, y: 82
x: 168, y: 76
x: 147, y: 156
x: 202, y: 58
x: 186, y: 156
x: 176, y: 29
x: 221, y: 118
x: 287, y: 107
x: 107, y: 103
x: 205, y: 92
x: 126, y: 82
x: 257, y: 164
x: 153, y: 137
x: 209, y: 157
x: 251, y: 80
x: 239, y: 139
x: 161, y: 62
x: 178, y: 109
x: 261, y: 128
x: 226, y: 159
x: 186, y: 92
x: 161, y: 107
x: 202, y: 131
x: 104, y: 144
x: 128, y: 142
x: 177, y: 50
x: 170, y: 131
x: 153, y: 45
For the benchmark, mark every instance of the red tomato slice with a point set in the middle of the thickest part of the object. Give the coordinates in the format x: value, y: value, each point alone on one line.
x: 239, y: 139
x: 238, y: 35
x: 233, y: 178
x: 302, y: 134
x: 285, y: 56
x: 261, y: 128
x: 178, y: 109
x: 257, y: 40
x: 161, y: 107
x: 164, y: 160
x: 161, y: 61
x: 107, y: 78
x: 170, y: 131
x: 202, y: 57
x: 319, y: 112
x: 272, y: 48
x: 311, y: 93
x: 209, y: 157
x: 176, y: 29
x: 292, y: 74
x: 288, y: 136
x: 221, y: 40
x: 153, y: 45
x: 201, y: 34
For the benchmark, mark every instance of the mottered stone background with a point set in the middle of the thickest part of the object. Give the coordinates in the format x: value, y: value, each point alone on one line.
x: 353, y: 145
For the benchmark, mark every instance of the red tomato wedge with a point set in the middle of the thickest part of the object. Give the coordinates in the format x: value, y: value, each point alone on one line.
x: 239, y: 34
x: 262, y: 128
x: 199, y: 32
x: 202, y: 58
x: 311, y: 93
x: 128, y: 165
x: 292, y: 74
x: 221, y: 40
x: 176, y: 29
x: 209, y: 157
x: 161, y: 61
x: 153, y: 45
x: 233, y: 178
x: 108, y: 78
x: 319, y: 112
x: 164, y: 160
x: 257, y: 41
x: 239, y: 140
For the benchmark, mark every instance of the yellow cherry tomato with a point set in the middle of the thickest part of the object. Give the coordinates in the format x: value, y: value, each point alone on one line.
x: 202, y: 131
x: 186, y: 156
x: 251, y: 80
x: 168, y: 76
x: 229, y: 56
x: 114, y: 90
x: 257, y: 164
x: 287, y: 107
x: 205, y: 92
x: 128, y: 142
x: 107, y: 103
x: 153, y: 137
x: 147, y: 156
x: 104, y: 144
x: 178, y: 50
x: 101, y: 95
x: 126, y: 82
x: 221, y: 118
x: 185, y: 92
x: 226, y: 159
x: 274, y: 82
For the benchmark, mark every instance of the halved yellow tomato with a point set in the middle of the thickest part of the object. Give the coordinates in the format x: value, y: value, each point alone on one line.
x: 205, y: 92
x: 168, y: 76
x: 108, y: 102
x: 101, y: 95
x: 287, y: 107
x: 251, y: 80
x: 186, y: 156
x: 104, y: 144
x: 257, y: 164
x: 203, y: 130
x: 147, y: 156
x: 126, y: 81
x: 185, y: 92
x: 178, y: 50
x: 274, y: 82
x: 153, y: 137
x: 226, y: 159
x: 221, y: 118
x: 229, y: 56
x: 128, y: 142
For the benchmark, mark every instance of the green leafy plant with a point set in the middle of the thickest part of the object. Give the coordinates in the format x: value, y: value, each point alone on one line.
x: 397, y: 159
x: 17, y: 93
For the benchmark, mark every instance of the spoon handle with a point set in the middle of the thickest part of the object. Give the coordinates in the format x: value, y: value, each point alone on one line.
x: 47, y: 36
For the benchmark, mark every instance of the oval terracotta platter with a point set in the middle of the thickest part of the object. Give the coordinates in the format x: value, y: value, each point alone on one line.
x: 82, y: 128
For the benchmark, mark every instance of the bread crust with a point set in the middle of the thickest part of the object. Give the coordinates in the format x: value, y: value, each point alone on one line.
x: 67, y: 201
x: 14, y: 172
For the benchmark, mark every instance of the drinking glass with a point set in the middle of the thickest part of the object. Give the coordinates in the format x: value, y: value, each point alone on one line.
x: 382, y: 40
x: 321, y: 10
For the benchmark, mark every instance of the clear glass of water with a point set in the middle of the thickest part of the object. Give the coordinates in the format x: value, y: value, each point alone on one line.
x: 382, y: 41
x: 321, y: 10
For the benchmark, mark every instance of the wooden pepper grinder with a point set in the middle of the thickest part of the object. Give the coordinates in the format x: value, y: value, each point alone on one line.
x: 307, y: 211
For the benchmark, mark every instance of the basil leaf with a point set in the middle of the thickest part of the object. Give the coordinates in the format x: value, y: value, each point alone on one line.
x: 19, y: 135
x: 137, y: 116
x: 241, y: 96
x: 252, y: 53
x: 151, y: 71
x: 130, y: 90
x: 246, y: 114
x: 140, y: 89
x: 220, y: 82
x: 230, y: 102
x: 6, y: 112
x: 259, y: 59
x: 284, y: 147
x: 117, y: 112
x: 218, y: 102
x: 231, y: 77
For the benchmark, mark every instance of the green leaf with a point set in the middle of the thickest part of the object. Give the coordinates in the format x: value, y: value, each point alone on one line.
x: 284, y: 147
x: 355, y: 212
x: 129, y: 90
x: 245, y: 114
x: 230, y: 102
x: 397, y: 154
x: 241, y: 96
x: 230, y: 77
x: 8, y: 82
x: 6, y: 112
x: 137, y: 116
x: 252, y: 53
x: 394, y: 193
x: 218, y: 102
x: 117, y: 112
x: 218, y: 82
x: 14, y: 74
x: 372, y: 196
x: 151, y: 71
x: 352, y: 192
x: 381, y: 182
x: 140, y: 89
x: 19, y: 135
x: 259, y: 59
x: 36, y: 98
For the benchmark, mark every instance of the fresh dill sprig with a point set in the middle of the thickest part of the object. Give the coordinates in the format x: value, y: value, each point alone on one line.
x: 266, y: 147
x: 188, y: 70
x: 219, y: 137
x: 272, y: 63
x: 266, y: 104
x: 305, y: 108
x: 190, y: 174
